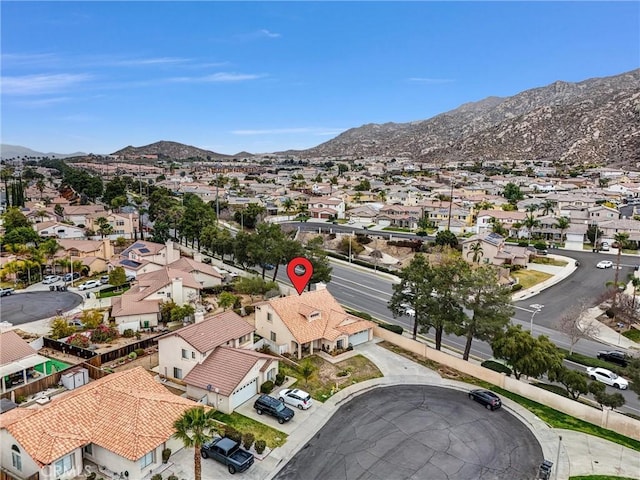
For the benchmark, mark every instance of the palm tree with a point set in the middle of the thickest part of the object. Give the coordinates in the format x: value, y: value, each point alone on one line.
x: 530, y: 222
x: 40, y: 185
x: 547, y: 207
x: 104, y: 227
x: 195, y: 427
x: 532, y: 208
x: 498, y: 227
x: 562, y: 223
x: 621, y: 238
x: 635, y: 281
x: 288, y: 204
x: 476, y: 250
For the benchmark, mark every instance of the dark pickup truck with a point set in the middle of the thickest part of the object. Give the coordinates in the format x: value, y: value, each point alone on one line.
x: 227, y: 452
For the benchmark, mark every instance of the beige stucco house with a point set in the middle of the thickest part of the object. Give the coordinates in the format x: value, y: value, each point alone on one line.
x: 121, y: 422
x: 302, y: 324
x: 19, y: 361
x: 495, y: 251
x: 214, y: 357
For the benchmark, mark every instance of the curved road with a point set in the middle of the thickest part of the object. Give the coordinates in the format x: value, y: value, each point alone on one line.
x: 26, y: 307
x: 417, y: 432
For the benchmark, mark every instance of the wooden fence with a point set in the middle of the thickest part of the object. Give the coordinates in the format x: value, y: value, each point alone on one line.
x: 66, y: 348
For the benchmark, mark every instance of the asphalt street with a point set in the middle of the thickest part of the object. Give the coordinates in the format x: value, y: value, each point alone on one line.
x: 417, y: 432
x: 21, y: 308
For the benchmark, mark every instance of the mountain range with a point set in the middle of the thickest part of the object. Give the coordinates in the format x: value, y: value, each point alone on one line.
x: 593, y: 122
x: 16, y: 151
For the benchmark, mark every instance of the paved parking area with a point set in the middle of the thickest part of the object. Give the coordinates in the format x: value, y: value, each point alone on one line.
x: 26, y: 307
x: 300, y: 416
x: 417, y: 432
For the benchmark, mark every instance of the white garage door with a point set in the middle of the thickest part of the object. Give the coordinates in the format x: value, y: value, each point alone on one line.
x: 244, y: 393
x: 358, y: 338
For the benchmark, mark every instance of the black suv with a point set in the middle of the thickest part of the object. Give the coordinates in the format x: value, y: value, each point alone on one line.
x: 487, y: 398
x: 619, y: 358
x: 274, y: 407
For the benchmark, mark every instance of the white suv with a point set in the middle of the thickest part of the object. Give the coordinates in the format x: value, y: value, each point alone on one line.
x: 297, y: 398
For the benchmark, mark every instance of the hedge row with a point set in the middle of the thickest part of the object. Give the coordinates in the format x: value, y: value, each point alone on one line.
x: 496, y: 367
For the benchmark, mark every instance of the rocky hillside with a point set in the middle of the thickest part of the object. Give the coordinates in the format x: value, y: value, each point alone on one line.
x: 172, y: 150
x: 594, y: 121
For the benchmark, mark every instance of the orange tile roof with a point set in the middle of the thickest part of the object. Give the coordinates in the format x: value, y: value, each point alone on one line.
x: 13, y: 347
x: 190, y: 265
x: 127, y: 413
x: 224, y: 369
x: 214, y: 331
x: 333, y: 321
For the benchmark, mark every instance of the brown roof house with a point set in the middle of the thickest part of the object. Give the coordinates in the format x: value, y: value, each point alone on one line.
x: 312, y: 321
x: 121, y: 423
x: 139, y: 307
x: 494, y: 250
x: 216, y: 360
x: 144, y: 257
x: 94, y: 254
x: 19, y: 361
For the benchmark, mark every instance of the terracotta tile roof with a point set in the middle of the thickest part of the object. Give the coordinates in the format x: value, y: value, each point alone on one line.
x: 127, y: 413
x: 189, y: 265
x: 224, y: 369
x: 149, y: 248
x: 121, y: 306
x: 296, y: 313
x: 81, y: 245
x: 13, y: 348
x: 214, y: 331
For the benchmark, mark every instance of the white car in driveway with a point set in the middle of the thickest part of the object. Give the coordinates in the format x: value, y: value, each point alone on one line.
x: 51, y: 279
x: 296, y: 397
x: 607, y: 377
x: 89, y: 284
x: 604, y: 264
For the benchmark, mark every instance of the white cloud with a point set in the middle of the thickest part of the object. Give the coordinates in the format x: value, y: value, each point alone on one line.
x: 28, y: 59
x: 285, y: 131
x: 269, y: 34
x: 430, y: 81
x: 218, y: 77
x: 41, y: 84
x: 42, y: 102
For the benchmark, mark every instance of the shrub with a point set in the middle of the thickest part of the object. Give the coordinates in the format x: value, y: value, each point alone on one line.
x: 249, y: 309
x: 21, y: 399
x: 133, y: 355
x: 610, y: 313
x: 523, y: 243
x: 172, y: 477
x: 540, y: 246
x: 104, y: 334
x: 393, y: 328
x: 247, y: 440
x: 79, y: 340
x: 128, y: 333
x: 260, y: 446
x: 157, y: 476
x: 496, y: 367
x: 516, y: 286
x: 166, y: 453
x: 139, y: 351
x: 364, y: 315
x: 266, y: 387
x: 234, y: 435
x: 280, y: 378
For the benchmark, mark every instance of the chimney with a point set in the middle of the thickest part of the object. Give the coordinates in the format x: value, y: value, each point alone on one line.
x: 176, y: 291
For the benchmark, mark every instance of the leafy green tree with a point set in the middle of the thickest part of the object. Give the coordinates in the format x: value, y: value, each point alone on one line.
x: 307, y: 370
x: 526, y: 354
x: 117, y: 277
x: 161, y: 201
x: 348, y: 245
x: 249, y: 216
x: 512, y: 193
x: 488, y: 302
x: 574, y: 382
x: 195, y: 427
x: 14, y: 218
x: 104, y: 227
x: 498, y: 227
x: 21, y: 236
x: 226, y: 300
x: 363, y: 186
x: 342, y: 168
x: 547, y: 207
x: 161, y: 231
x: 58, y: 210
x: 60, y: 328
x: 319, y: 262
x: 446, y: 237
x: 114, y: 188
x: 91, y: 318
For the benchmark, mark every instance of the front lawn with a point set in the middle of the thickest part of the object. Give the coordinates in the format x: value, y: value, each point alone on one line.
x: 549, y: 261
x: 599, y: 477
x: 274, y: 438
x: 529, y: 278
x: 632, y: 334
x: 329, y: 378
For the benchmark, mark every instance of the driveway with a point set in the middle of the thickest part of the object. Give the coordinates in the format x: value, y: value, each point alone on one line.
x: 26, y: 307
x: 298, y: 419
x: 417, y: 432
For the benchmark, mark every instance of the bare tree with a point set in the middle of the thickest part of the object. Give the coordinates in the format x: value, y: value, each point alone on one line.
x: 572, y: 326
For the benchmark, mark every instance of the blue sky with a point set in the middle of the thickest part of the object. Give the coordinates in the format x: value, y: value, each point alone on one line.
x: 271, y: 76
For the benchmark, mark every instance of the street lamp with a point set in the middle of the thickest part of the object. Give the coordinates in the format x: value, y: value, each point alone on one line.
x: 536, y: 308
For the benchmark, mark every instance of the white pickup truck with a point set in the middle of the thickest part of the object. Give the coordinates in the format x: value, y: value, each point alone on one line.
x: 6, y: 291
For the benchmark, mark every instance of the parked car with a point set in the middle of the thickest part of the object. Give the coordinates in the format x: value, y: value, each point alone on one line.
x: 75, y: 323
x: 6, y: 291
x: 104, y: 279
x: 227, y: 452
x: 130, y: 278
x: 614, y: 356
x: 67, y: 276
x: 51, y: 279
x: 267, y: 266
x: 296, y: 397
x: 607, y: 377
x: 604, y: 246
x: 604, y: 264
x: 274, y: 407
x: 487, y: 398
x: 89, y: 284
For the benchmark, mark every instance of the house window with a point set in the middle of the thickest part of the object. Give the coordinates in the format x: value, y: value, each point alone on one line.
x: 273, y: 336
x: 269, y: 317
x: 177, y: 373
x: 148, y: 459
x: 64, y: 465
x: 193, y: 355
x: 185, y: 354
x: 16, y: 459
x: 271, y: 374
x: 88, y: 449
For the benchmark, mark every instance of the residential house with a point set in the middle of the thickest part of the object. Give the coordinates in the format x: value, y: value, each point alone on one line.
x: 204, y: 274
x: 139, y: 307
x: 364, y: 213
x: 495, y: 251
x: 400, y: 216
x: 508, y: 219
x: 214, y: 357
x: 601, y: 213
x: 123, y: 225
x: 19, y: 361
x: 610, y: 228
x: 78, y: 214
x: 144, y: 257
x: 122, y: 422
x: 55, y: 229
x: 309, y: 322
x: 325, y: 208
x: 94, y: 254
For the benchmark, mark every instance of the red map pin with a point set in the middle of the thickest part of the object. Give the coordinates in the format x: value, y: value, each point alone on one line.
x: 299, y: 271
